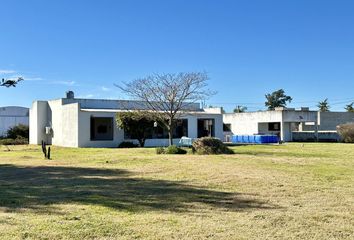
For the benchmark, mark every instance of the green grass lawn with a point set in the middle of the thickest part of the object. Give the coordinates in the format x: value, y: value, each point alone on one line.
x: 291, y: 191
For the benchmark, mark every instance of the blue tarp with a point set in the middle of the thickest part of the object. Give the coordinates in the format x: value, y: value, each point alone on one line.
x: 255, y: 139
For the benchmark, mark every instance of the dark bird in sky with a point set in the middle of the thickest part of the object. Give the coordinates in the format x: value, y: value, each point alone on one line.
x: 10, y: 82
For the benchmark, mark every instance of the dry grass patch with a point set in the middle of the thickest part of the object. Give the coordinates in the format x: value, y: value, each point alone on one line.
x: 291, y: 191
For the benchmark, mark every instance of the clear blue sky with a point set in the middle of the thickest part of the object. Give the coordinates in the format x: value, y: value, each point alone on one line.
x: 249, y: 48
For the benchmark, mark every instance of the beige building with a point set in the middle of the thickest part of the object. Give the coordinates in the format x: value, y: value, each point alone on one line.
x: 72, y: 122
x: 287, y: 123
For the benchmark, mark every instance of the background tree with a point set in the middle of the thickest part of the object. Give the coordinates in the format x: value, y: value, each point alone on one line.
x: 18, y: 131
x: 350, y: 107
x: 277, y: 99
x: 139, y: 124
x: 169, y: 96
x: 240, y: 109
x: 323, y: 106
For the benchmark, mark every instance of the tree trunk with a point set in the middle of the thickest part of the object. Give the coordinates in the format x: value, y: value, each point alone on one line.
x: 170, y: 136
x: 141, y: 142
x: 170, y: 132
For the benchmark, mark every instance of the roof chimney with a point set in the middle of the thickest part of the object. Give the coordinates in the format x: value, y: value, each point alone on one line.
x: 70, y: 95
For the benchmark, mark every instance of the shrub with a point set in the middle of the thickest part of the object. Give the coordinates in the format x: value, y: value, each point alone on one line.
x: 17, y: 141
x: 346, y: 132
x: 173, y: 149
x: 127, y: 145
x: 18, y: 131
x: 208, y: 145
x: 160, y: 150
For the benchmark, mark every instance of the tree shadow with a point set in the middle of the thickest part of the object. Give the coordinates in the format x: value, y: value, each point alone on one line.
x: 37, y: 188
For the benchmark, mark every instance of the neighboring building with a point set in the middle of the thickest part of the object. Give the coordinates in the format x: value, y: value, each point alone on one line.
x: 281, y: 122
x: 73, y: 122
x: 12, y: 116
x: 287, y: 123
x: 328, y: 121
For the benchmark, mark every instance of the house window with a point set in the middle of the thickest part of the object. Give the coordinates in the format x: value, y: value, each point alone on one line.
x: 160, y: 132
x: 227, y: 127
x: 206, y: 128
x: 275, y: 126
x: 181, y: 129
x: 101, y: 129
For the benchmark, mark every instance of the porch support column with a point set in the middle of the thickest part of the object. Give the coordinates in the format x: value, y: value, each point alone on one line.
x: 282, y: 134
x: 192, y: 127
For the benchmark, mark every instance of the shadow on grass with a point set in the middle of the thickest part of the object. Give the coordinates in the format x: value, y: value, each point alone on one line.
x: 38, y: 187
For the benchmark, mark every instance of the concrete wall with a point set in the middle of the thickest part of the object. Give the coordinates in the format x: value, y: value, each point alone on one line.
x: 61, y: 118
x: 55, y: 110
x: 323, y: 136
x: 69, y: 126
x: 249, y: 122
x: 328, y: 121
x: 299, y: 116
x: 84, y: 131
x: 38, y: 121
x: 12, y: 116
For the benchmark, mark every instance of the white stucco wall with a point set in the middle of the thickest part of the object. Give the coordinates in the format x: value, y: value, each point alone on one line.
x: 69, y: 126
x: 61, y: 118
x: 56, y: 121
x: 248, y: 123
x: 38, y: 122
x: 84, y: 131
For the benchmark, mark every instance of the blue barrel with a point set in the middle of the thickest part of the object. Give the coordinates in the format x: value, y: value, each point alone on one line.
x: 255, y: 139
x: 258, y: 139
x: 274, y: 139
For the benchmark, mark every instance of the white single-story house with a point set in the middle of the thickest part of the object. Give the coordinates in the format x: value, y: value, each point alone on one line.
x: 12, y: 116
x: 287, y: 123
x: 73, y: 122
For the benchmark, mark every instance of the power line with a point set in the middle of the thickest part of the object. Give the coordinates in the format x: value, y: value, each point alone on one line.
x: 341, y: 101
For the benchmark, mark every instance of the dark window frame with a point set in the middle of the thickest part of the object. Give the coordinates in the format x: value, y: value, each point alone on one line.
x: 226, y: 127
x: 160, y: 132
x: 272, y: 126
x: 93, y: 128
x: 200, y: 134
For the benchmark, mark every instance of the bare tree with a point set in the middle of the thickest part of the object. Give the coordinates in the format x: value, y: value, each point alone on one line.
x: 169, y: 96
